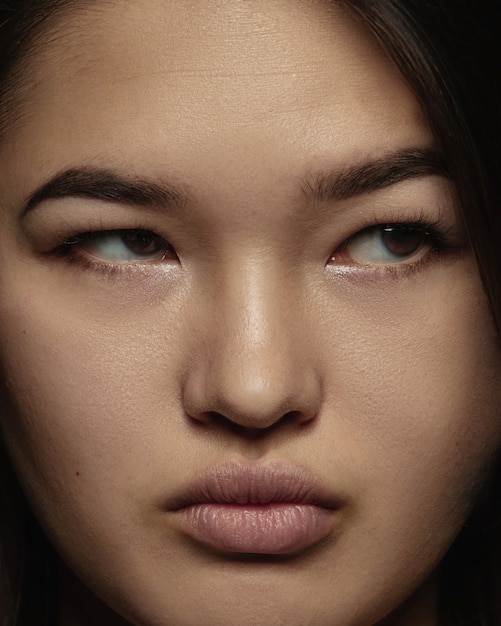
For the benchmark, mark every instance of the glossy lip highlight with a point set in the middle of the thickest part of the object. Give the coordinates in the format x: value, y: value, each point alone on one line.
x: 256, y: 509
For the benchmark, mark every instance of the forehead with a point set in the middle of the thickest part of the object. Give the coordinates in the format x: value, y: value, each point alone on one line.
x: 134, y: 78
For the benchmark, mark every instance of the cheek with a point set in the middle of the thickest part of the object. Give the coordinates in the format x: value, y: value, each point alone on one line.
x: 92, y: 397
x: 408, y: 426
x: 417, y: 395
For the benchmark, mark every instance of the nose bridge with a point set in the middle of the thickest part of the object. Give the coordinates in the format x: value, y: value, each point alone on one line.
x: 256, y: 342
x: 255, y: 372
x: 253, y: 294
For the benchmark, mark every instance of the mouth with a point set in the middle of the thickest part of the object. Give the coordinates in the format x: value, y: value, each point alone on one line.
x: 274, y: 509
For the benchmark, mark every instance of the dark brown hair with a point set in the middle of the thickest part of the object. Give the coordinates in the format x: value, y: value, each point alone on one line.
x: 448, y: 52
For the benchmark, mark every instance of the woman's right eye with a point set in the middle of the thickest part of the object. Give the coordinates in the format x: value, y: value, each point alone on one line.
x: 129, y: 246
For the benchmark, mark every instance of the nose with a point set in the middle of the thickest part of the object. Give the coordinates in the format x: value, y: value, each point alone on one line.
x: 254, y: 368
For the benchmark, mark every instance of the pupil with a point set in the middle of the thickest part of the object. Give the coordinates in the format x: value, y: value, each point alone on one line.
x: 402, y: 241
x: 140, y: 242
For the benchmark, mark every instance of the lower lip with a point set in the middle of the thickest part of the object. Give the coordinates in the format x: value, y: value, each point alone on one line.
x: 275, y: 528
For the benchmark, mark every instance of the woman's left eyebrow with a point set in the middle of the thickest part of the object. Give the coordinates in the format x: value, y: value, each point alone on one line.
x: 102, y: 184
x: 373, y: 174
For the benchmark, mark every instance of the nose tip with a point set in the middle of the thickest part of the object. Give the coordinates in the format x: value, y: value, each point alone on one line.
x: 255, y: 393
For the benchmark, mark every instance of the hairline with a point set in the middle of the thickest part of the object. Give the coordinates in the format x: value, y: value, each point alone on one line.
x: 36, y: 38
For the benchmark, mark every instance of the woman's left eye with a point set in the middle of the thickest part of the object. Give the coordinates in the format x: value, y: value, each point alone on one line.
x: 121, y: 246
x: 386, y: 244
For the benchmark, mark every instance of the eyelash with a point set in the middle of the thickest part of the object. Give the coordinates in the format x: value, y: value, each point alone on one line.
x: 440, y: 240
x: 68, y: 251
x: 445, y: 244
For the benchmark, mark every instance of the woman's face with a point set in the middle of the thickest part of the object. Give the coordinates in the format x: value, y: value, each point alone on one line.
x: 264, y: 390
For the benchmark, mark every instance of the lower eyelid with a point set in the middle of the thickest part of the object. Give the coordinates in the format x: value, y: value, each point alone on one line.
x: 380, y: 272
x: 81, y: 263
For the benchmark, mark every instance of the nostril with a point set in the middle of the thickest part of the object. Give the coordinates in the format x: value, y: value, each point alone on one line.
x: 248, y: 427
x: 260, y: 392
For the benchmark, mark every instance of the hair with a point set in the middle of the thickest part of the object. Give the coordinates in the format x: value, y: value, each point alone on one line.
x: 446, y: 50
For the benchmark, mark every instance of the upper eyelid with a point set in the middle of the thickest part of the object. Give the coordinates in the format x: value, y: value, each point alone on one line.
x: 107, y: 231
x: 74, y: 240
x: 437, y: 216
x: 433, y: 230
x: 438, y: 224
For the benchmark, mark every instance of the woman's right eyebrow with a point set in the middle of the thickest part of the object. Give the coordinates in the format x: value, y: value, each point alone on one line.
x: 107, y: 185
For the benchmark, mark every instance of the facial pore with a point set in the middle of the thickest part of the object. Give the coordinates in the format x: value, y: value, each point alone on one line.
x: 241, y: 299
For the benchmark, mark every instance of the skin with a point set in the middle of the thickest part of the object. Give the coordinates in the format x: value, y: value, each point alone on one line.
x: 262, y: 340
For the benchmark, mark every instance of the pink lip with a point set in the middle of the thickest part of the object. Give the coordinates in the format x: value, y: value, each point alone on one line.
x: 256, y: 509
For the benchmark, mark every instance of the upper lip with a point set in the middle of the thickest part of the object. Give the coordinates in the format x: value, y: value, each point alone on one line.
x: 238, y: 483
